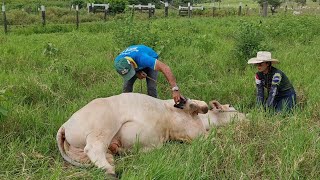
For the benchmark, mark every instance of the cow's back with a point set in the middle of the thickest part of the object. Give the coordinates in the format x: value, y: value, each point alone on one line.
x: 103, y: 114
x: 146, y: 120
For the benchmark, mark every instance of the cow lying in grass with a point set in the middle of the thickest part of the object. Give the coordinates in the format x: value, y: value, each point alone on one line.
x: 127, y: 118
x: 220, y: 115
x: 217, y: 116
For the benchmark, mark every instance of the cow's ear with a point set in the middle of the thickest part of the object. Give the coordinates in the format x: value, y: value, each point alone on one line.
x: 193, y: 107
x: 215, y: 105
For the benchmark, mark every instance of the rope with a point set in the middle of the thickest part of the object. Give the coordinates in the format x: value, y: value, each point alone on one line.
x: 141, y: 83
x: 152, y: 79
x: 141, y: 86
x: 228, y: 111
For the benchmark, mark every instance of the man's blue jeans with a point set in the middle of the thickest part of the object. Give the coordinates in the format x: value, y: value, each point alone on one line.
x: 151, y: 85
x: 285, y: 103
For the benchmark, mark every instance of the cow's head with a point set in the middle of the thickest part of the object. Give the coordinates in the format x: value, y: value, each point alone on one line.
x: 194, y: 107
x: 185, y: 123
x: 226, y: 111
x: 217, y: 107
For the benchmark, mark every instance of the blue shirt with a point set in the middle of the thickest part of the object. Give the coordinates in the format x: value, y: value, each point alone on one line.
x: 142, y: 55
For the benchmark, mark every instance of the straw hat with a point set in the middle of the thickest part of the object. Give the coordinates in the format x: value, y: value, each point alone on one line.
x: 262, y: 56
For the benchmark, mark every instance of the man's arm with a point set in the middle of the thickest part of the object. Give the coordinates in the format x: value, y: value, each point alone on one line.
x: 260, y: 95
x: 272, y: 94
x: 165, y: 69
x: 260, y: 91
x: 276, y: 79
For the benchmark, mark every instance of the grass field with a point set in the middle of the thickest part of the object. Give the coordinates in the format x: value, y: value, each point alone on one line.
x: 23, y: 13
x: 49, y: 72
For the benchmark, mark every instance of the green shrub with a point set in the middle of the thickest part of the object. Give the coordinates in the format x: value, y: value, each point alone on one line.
x: 31, y: 8
x: 286, y: 29
x: 57, y: 12
x: 61, y: 4
x: 145, y: 2
x: 117, y: 6
x: 34, y: 4
x: 132, y: 32
x: 80, y: 3
x: 248, y: 41
x: 19, y: 17
x: 50, y: 50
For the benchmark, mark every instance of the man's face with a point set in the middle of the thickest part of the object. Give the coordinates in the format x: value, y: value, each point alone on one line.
x: 262, y: 67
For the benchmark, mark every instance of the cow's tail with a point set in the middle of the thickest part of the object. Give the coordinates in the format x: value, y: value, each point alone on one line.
x: 60, y: 141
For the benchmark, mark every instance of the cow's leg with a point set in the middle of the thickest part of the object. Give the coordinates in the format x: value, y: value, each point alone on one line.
x: 110, y: 158
x: 96, y: 148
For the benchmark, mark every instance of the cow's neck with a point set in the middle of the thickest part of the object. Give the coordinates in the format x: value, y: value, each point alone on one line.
x: 185, y: 128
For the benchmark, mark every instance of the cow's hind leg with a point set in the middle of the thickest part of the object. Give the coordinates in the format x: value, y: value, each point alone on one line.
x: 96, y: 148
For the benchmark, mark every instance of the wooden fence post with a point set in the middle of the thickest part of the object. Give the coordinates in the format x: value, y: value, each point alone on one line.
x: 4, y: 19
x: 149, y: 8
x: 286, y: 9
x: 265, y: 8
x: 213, y: 9
x: 43, y: 14
x: 106, y: 12
x: 93, y: 8
x: 89, y: 7
x: 132, y: 14
x: 166, y: 7
x: 247, y: 10
x: 77, y: 15
x: 189, y: 10
x: 240, y: 7
x: 140, y: 7
x: 272, y: 10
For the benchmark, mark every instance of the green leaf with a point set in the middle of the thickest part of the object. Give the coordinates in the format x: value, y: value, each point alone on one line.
x: 3, y: 111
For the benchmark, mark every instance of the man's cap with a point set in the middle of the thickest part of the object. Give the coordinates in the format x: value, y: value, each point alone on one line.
x: 262, y: 56
x: 124, y: 68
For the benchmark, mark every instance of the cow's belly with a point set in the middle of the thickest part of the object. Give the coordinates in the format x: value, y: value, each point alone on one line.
x: 145, y: 134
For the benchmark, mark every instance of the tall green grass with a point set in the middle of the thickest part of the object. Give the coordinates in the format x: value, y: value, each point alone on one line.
x: 44, y: 89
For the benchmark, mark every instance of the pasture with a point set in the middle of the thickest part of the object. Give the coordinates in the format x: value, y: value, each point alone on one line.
x: 48, y: 73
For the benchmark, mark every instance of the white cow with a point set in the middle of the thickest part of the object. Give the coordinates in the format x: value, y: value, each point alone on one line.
x: 220, y: 115
x: 123, y: 120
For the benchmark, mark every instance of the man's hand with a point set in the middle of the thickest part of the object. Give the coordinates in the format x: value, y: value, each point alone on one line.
x: 176, y: 96
x: 141, y: 75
